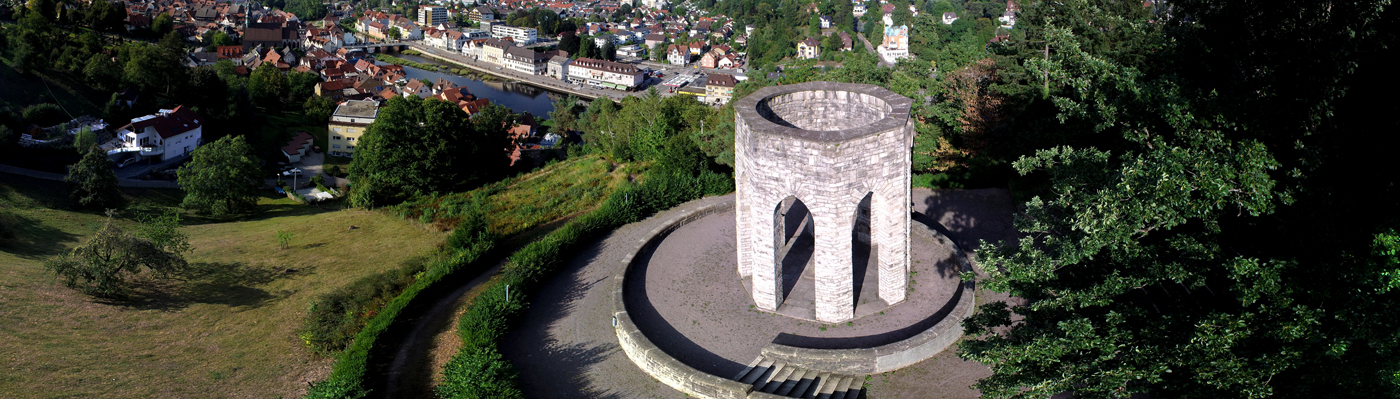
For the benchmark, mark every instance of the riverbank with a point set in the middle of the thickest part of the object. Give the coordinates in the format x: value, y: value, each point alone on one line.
x: 532, y: 80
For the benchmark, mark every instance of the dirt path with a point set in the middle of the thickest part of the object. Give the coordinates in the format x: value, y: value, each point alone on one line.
x: 432, y: 339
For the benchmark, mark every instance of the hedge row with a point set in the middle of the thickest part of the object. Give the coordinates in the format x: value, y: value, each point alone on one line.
x: 478, y: 371
x: 466, y: 245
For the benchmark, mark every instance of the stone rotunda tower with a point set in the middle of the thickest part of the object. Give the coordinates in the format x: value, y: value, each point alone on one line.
x: 842, y: 152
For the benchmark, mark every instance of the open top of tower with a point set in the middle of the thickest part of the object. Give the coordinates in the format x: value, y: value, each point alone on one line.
x: 824, y: 111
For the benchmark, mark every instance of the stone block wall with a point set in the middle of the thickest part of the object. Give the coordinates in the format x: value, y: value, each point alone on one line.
x: 828, y: 145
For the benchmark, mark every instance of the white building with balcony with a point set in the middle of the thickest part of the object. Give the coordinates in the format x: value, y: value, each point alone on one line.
x: 521, y: 36
x: 167, y: 134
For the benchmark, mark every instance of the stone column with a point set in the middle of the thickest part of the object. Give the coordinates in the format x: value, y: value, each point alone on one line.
x: 767, y: 271
x: 890, y: 233
x: 835, y: 285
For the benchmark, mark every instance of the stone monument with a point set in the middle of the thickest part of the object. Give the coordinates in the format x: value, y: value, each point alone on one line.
x: 843, y: 151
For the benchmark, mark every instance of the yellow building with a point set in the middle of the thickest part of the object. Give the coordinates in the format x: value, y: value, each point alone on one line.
x: 809, y: 49
x: 348, y: 124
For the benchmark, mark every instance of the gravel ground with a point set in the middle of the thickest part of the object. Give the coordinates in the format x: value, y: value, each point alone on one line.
x: 566, y: 347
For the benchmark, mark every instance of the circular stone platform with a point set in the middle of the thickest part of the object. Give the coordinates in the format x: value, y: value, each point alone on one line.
x: 685, y: 296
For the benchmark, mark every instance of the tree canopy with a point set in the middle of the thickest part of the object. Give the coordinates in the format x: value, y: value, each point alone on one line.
x: 104, y: 264
x: 91, y: 180
x: 221, y: 178
x: 416, y: 147
x: 1192, y: 234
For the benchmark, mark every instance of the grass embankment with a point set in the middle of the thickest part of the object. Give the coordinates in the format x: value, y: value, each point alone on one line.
x: 478, y: 369
x: 227, y: 329
x: 506, y: 209
x: 430, y: 67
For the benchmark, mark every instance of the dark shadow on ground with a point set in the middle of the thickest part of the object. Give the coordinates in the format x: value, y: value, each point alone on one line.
x: 944, y: 266
x: 30, y: 238
x: 555, y: 370
x: 970, y: 216
x: 233, y: 284
x: 947, y: 267
x: 660, y: 331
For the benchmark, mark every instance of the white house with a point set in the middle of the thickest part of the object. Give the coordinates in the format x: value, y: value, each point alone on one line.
x: 521, y: 36
x: 949, y: 18
x: 168, y: 133
x: 604, y: 74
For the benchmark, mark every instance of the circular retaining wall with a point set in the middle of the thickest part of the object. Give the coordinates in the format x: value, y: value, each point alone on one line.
x: 656, y: 362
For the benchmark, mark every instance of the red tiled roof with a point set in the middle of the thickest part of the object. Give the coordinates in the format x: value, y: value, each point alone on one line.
x: 302, y: 139
x: 179, y: 120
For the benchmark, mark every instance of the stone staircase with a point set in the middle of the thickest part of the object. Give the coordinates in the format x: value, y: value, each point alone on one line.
x: 775, y: 379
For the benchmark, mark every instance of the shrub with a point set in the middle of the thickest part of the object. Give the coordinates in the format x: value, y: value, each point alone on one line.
x: 481, y: 373
x: 47, y: 114
x: 333, y: 319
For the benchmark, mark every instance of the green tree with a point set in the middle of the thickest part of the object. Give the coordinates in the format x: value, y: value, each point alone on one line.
x: 268, y: 86
x: 564, y: 115
x: 222, y: 177
x: 92, y: 182
x: 33, y: 41
x: 84, y: 140
x: 102, y: 265
x: 163, y: 24
x: 1190, y: 238
x: 318, y: 109
x: 418, y: 146
x: 395, y: 33
x: 608, y: 52
x: 159, y: 68
x: 658, y: 52
x: 215, y: 38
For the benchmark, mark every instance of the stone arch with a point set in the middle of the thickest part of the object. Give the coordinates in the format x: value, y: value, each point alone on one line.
x: 843, y: 149
x: 794, y: 232
x: 862, y: 246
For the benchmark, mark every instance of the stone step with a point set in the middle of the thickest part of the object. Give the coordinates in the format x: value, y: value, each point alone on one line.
x: 778, y: 379
x: 842, y: 388
x: 757, y: 372
x: 752, y: 365
x: 792, y: 381
x: 816, y: 387
x: 829, y: 387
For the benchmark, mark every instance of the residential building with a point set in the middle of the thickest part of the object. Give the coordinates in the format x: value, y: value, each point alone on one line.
x: 847, y: 43
x: 481, y: 14
x: 632, y: 50
x: 525, y: 60
x: 809, y: 49
x: 431, y: 15
x: 719, y: 88
x: 895, y: 44
x: 949, y: 18
x: 297, y: 147
x: 678, y: 54
x: 348, y: 124
x: 494, y: 50
x: 167, y: 134
x: 558, y: 67
x: 521, y: 36
x: 826, y: 22
x: 607, y: 74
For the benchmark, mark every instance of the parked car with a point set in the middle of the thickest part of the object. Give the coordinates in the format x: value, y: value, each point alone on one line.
x: 127, y: 161
x: 293, y: 172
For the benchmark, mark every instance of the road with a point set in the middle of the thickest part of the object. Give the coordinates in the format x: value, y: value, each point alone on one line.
x: 557, y: 85
x: 540, y: 81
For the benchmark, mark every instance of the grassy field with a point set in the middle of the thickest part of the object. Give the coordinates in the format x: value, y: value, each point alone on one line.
x: 532, y: 199
x: 226, y: 329
x: 20, y: 91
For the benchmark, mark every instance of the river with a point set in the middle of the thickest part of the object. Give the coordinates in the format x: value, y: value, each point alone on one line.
x: 518, y: 97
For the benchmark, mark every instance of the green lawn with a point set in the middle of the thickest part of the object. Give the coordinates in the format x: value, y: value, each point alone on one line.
x: 533, y: 199
x: 226, y: 330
